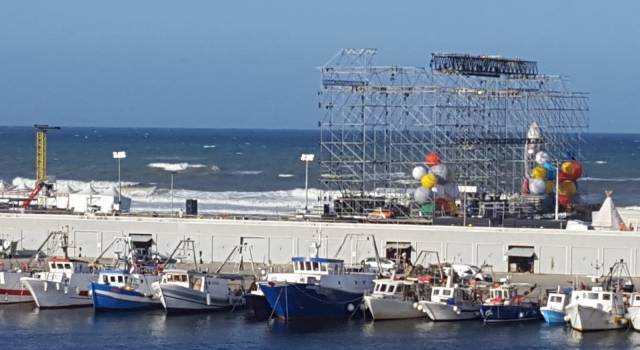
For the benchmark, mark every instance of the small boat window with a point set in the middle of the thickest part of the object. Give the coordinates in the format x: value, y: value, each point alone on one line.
x: 391, y: 289
x: 446, y: 292
x: 67, y: 266
x: 112, y: 278
x: 400, y: 288
x: 592, y: 296
x: 606, y: 296
x: 105, y: 279
x: 556, y: 299
x: 307, y: 265
x: 436, y: 292
x: 637, y: 297
x: 377, y: 287
x: 383, y: 288
x: 315, y: 266
x: 120, y: 279
x: 323, y: 267
x: 60, y: 266
x: 53, y: 266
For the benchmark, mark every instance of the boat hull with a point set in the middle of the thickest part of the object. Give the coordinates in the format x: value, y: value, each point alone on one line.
x: 11, y: 289
x: 258, y: 307
x: 297, y: 300
x: 47, y: 294
x: 591, y: 319
x: 444, y: 312
x: 510, y: 313
x: 552, y: 316
x: 106, y: 297
x: 177, y: 299
x: 633, y: 315
x: 391, y: 309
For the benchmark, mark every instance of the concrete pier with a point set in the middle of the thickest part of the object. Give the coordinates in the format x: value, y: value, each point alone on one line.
x: 555, y: 251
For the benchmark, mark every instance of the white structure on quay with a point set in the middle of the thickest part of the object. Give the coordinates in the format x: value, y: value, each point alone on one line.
x: 507, y: 249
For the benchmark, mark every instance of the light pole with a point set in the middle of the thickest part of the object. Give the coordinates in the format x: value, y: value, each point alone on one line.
x: 119, y: 155
x: 557, y: 188
x: 306, y: 158
x: 172, y: 173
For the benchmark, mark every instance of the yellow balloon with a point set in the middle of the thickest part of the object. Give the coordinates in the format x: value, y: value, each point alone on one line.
x: 567, y: 167
x: 429, y: 180
x: 550, y: 186
x: 567, y: 188
x: 539, y: 173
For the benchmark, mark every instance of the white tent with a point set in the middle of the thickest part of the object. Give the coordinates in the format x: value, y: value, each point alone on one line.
x: 608, y: 217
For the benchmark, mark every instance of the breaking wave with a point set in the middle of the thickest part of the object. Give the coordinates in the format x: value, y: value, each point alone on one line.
x: 247, y: 172
x: 620, y: 179
x: 285, y: 176
x: 175, y: 166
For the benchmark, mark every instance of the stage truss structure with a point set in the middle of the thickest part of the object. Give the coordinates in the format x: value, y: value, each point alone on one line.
x: 378, y: 122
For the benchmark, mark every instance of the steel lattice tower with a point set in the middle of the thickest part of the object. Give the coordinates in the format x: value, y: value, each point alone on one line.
x: 379, y: 121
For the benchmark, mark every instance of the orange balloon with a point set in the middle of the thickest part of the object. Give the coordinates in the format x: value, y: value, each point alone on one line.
x: 432, y: 159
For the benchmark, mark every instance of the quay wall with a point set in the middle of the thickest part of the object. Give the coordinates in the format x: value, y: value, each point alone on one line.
x: 275, y: 242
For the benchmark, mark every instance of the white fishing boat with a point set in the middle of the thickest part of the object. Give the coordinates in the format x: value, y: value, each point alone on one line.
x: 602, y: 307
x: 554, y: 311
x: 596, y: 309
x: 188, y: 290
x: 182, y: 290
x: 11, y: 289
x: 394, y: 299
x: 450, y: 303
x: 66, y: 284
x: 633, y: 311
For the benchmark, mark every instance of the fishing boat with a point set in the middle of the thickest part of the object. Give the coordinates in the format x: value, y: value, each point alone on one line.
x: 451, y: 303
x: 596, y: 309
x: 633, y: 311
x: 65, y: 284
x: 257, y: 306
x: 393, y: 299
x: 398, y: 296
x: 603, y: 306
x: 183, y: 290
x: 554, y: 311
x: 11, y: 289
x: 506, y: 304
x: 128, y: 285
x: 318, y: 288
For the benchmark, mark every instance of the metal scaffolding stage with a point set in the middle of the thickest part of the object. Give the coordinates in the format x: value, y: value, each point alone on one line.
x: 378, y: 122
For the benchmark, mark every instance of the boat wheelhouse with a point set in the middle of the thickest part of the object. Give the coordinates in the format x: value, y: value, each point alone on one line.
x: 633, y: 311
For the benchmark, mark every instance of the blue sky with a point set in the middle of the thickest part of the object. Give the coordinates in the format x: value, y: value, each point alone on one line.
x: 251, y: 64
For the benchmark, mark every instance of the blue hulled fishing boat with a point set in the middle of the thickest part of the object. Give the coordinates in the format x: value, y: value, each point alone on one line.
x: 129, y: 286
x: 317, y: 288
x: 506, y: 305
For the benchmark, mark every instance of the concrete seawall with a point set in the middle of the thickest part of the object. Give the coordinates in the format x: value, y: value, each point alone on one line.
x: 556, y: 251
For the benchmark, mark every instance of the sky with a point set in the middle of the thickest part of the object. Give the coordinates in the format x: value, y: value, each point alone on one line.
x: 252, y: 64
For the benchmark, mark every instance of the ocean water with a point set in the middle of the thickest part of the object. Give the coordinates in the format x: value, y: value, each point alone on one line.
x: 22, y: 327
x: 242, y: 171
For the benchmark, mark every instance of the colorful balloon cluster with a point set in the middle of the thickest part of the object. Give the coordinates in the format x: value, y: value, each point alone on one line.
x: 435, y: 178
x: 543, y: 178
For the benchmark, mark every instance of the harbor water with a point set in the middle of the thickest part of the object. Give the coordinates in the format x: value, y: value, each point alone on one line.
x: 23, y: 327
x: 243, y: 171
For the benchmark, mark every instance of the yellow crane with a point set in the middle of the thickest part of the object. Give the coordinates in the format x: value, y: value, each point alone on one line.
x: 41, y: 160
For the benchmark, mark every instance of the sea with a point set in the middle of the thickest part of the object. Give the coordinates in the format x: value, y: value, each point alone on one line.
x: 24, y: 327
x: 241, y: 171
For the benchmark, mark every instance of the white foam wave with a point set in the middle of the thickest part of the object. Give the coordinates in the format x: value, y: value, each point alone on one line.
x: 175, y: 166
x: 129, y: 188
x: 619, y: 179
x: 208, y: 146
x: 600, y: 162
x: 247, y: 172
x: 285, y: 176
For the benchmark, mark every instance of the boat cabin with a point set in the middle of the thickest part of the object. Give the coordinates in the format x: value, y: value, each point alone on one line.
x: 557, y: 301
x: 634, y: 299
x: 118, y: 278
x: 444, y: 294
x: 597, y: 298
x: 404, y: 289
x: 317, y: 266
x: 68, y: 266
x: 506, y: 294
x: 177, y: 277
